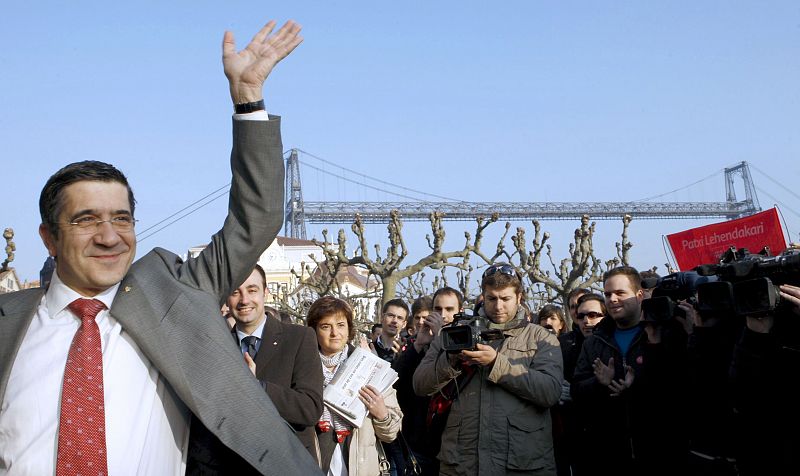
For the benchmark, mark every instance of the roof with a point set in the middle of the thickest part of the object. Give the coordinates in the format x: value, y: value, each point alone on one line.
x: 288, y: 241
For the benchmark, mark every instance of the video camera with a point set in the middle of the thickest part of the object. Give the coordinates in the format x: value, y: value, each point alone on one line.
x: 742, y: 284
x: 668, y: 291
x: 466, y: 332
x: 749, y: 282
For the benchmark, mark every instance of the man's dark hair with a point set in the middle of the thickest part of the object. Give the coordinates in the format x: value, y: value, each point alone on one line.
x: 262, y: 273
x: 593, y: 297
x: 500, y: 276
x: 377, y: 325
x: 424, y: 303
x: 577, y: 292
x: 633, y: 276
x: 449, y: 290
x: 397, y: 302
x: 50, y: 200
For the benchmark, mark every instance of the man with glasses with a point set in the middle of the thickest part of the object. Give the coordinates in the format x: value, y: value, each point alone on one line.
x: 99, y: 373
x: 394, y: 316
x: 499, y: 421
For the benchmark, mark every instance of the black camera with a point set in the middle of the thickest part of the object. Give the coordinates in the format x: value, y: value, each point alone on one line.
x: 466, y: 332
x: 749, y: 282
x: 667, y: 291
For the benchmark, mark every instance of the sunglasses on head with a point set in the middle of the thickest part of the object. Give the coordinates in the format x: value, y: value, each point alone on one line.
x: 506, y: 269
x: 590, y: 315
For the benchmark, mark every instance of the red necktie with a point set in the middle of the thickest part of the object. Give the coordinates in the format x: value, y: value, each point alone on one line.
x: 82, y: 424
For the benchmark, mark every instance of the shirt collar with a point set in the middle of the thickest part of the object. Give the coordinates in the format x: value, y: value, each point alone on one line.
x: 258, y: 332
x: 59, y: 296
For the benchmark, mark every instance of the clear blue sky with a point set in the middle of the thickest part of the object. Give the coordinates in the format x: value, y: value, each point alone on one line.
x: 492, y: 101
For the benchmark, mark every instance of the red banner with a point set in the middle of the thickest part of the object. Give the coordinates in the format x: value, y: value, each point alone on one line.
x: 705, y: 244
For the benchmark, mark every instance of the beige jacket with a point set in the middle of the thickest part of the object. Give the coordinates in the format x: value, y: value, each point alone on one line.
x: 363, y: 455
x: 500, y: 423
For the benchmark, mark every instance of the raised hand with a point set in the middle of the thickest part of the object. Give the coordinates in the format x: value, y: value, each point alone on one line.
x: 248, y: 69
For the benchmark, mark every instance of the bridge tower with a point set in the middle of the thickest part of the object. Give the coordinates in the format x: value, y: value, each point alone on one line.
x: 750, y: 199
x: 294, y: 221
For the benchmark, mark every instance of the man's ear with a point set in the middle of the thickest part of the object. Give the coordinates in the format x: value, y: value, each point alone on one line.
x: 48, y: 239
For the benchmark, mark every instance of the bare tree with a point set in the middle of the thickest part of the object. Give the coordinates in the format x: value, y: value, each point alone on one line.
x: 389, y: 268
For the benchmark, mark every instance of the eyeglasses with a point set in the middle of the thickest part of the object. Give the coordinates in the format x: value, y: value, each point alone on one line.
x: 506, y: 269
x: 590, y: 315
x: 89, y: 224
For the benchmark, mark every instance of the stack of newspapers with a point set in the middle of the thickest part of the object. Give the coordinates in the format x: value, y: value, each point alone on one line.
x: 361, y: 368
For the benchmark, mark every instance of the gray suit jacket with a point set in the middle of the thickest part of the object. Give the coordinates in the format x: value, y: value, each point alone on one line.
x: 171, y: 309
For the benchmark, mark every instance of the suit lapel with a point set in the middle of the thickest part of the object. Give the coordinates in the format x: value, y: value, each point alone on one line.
x: 270, y: 343
x: 141, y: 318
x: 15, y: 317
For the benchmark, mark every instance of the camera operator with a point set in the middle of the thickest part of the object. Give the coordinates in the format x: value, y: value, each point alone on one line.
x: 499, y: 421
x: 765, y: 360
x: 711, y: 339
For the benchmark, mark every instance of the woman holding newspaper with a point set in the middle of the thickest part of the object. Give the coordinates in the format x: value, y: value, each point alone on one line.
x: 355, y: 418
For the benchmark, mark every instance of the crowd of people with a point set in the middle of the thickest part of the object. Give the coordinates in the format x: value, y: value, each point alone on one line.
x: 123, y: 367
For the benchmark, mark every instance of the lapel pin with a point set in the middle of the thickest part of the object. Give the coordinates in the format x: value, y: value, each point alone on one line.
x: 128, y: 289
x: 274, y: 343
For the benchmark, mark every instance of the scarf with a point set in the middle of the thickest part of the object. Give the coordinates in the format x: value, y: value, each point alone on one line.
x: 329, y: 418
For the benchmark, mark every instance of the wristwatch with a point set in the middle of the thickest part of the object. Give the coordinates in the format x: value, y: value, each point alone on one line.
x: 249, y: 107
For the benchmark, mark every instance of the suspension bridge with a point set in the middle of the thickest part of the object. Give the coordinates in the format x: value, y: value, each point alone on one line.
x: 299, y: 212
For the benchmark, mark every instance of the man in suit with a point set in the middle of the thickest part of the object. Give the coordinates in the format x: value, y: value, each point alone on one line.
x: 282, y: 356
x: 100, y: 373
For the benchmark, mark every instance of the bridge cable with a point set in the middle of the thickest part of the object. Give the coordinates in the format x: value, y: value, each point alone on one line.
x: 222, y: 194
x: 775, y: 181
x: 184, y: 208
x: 679, y: 189
x: 362, y: 184
x: 785, y: 206
x: 378, y: 180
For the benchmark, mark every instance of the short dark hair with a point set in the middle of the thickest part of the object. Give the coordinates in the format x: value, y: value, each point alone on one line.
x: 593, y: 297
x: 262, y: 273
x: 424, y: 303
x: 50, y: 200
x: 449, y: 290
x: 500, y: 279
x: 577, y: 292
x: 633, y: 276
x: 331, y: 306
x: 397, y: 302
x: 377, y: 325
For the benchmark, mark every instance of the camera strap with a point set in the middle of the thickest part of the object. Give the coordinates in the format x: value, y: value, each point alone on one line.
x: 441, y: 402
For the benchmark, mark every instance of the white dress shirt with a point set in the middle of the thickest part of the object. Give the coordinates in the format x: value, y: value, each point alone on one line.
x: 147, y: 426
x: 258, y: 332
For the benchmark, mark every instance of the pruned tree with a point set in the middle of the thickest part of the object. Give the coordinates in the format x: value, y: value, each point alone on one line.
x: 389, y: 268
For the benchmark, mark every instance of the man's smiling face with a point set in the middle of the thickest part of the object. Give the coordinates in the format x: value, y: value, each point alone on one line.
x: 246, y: 303
x: 93, y: 259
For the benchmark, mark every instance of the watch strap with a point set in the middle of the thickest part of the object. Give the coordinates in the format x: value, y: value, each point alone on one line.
x: 249, y: 107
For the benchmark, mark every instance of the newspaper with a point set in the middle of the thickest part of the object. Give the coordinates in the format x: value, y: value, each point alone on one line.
x: 362, y: 367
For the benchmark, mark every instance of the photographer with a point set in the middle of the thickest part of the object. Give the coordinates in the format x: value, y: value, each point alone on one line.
x: 711, y: 339
x: 499, y: 421
x: 765, y: 359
